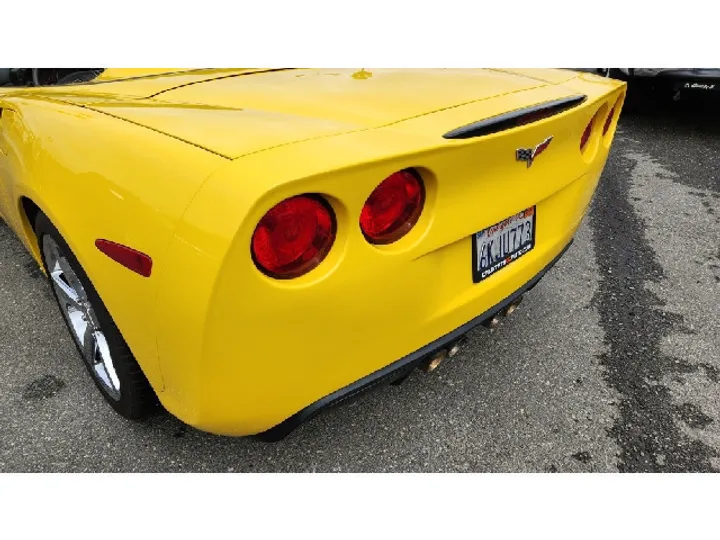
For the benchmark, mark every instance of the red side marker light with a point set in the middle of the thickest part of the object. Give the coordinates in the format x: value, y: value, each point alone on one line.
x: 128, y: 257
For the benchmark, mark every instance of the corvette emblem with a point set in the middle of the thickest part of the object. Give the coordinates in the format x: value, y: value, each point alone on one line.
x: 528, y: 155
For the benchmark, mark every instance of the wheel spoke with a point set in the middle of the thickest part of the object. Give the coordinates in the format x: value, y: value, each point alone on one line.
x: 65, y: 291
x: 81, y: 317
x: 103, y: 352
x: 89, y: 344
x: 78, y: 325
x: 72, y: 279
x: 52, y: 252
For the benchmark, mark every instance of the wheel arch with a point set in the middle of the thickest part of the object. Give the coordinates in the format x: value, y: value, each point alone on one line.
x: 28, y: 211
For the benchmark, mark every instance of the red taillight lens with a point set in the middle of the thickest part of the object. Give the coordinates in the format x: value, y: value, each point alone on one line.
x: 608, y: 121
x: 394, y: 208
x: 294, y: 237
x: 586, y: 134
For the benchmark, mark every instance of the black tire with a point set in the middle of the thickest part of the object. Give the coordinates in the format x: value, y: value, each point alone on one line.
x: 136, y: 400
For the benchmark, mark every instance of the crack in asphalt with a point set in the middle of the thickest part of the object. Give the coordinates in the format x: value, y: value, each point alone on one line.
x: 635, y: 322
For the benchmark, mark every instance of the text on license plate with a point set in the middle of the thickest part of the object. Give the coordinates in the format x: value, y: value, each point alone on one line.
x: 503, y: 243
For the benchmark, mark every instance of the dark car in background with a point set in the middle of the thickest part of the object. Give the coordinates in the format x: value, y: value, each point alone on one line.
x: 666, y: 83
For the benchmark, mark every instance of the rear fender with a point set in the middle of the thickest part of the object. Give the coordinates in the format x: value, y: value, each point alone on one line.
x: 99, y: 177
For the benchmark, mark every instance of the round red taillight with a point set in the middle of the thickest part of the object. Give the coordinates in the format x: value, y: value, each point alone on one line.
x: 293, y: 237
x: 394, y: 208
x: 608, y: 121
x: 586, y: 134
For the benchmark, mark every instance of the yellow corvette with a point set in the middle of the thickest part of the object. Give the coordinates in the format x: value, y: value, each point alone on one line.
x: 249, y: 246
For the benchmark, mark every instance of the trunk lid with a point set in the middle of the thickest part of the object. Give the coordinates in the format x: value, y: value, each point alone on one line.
x: 234, y: 113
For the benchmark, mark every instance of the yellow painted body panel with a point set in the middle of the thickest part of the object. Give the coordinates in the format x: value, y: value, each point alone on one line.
x: 186, y: 175
x: 101, y: 183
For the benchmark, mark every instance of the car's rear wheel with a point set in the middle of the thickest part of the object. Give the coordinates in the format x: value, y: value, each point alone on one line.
x: 107, y: 356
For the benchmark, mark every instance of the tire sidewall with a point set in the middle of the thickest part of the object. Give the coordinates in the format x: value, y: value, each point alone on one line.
x: 123, y: 360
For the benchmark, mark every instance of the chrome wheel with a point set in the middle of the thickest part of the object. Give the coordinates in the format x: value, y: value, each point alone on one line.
x: 80, y: 317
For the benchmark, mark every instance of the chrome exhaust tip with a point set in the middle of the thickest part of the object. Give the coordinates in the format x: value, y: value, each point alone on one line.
x: 512, y: 307
x: 456, y: 347
x: 493, y: 322
x: 435, y: 361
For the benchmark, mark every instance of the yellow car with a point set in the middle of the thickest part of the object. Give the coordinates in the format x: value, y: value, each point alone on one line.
x: 246, y: 247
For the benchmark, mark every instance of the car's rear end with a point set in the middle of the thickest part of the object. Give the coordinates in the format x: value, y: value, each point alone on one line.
x: 308, y: 285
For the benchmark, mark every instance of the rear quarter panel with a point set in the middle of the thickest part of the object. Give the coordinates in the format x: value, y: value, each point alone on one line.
x: 95, y: 177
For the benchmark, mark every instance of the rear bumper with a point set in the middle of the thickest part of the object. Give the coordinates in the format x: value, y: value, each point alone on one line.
x: 401, y: 368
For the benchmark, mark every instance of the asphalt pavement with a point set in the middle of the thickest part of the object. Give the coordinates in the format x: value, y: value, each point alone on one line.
x: 612, y: 363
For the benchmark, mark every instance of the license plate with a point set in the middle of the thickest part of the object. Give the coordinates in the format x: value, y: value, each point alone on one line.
x: 500, y: 245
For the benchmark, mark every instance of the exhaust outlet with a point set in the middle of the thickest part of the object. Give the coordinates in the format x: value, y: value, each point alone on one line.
x: 512, y: 307
x: 432, y: 364
x: 492, y: 322
x: 452, y: 352
x: 456, y: 347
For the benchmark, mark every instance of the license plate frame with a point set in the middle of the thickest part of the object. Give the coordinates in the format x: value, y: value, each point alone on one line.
x: 486, y: 261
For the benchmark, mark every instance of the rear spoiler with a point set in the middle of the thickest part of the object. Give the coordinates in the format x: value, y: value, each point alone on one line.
x: 516, y: 118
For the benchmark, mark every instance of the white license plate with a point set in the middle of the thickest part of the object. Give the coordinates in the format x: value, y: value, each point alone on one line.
x: 500, y: 245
